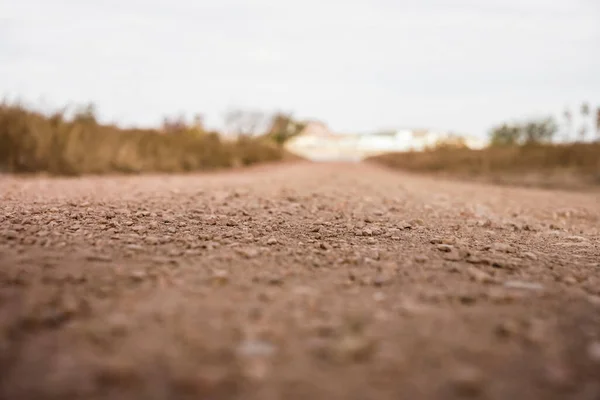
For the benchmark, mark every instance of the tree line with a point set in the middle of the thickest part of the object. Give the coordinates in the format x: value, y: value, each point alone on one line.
x: 544, y: 130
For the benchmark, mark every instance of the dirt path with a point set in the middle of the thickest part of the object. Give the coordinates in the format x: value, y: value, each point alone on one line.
x: 303, y: 281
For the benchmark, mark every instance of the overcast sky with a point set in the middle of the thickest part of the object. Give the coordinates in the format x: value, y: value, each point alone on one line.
x: 358, y: 65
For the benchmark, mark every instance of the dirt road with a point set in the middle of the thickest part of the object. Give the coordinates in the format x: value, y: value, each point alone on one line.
x: 301, y: 281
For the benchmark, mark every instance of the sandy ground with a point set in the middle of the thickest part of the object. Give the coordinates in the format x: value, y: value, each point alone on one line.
x: 301, y: 281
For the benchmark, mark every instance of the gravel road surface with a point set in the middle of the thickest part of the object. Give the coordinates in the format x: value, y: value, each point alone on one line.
x: 297, y: 281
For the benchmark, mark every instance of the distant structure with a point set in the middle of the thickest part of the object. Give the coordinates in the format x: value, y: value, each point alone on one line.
x: 317, y: 142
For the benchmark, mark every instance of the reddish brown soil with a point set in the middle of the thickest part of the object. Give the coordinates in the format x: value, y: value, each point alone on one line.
x: 302, y: 281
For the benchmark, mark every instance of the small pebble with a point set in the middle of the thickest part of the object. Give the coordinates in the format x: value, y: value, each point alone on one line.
x: 507, y: 329
x: 137, y: 276
x: 594, y: 351
x: 468, y: 381
x: 453, y: 255
x: 151, y: 240
x: 421, y: 259
x: 256, y: 348
x: 502, y: 247
x: 355, y: 347
x: 479, y: 276
x: 529, y: 255
x: 220, y: 277
x: 379, y: 281
x: 576, y: 239
x: 446, y: 248
x: 98, y: 257
x: 10, y: 234
x: 523, y: 285
x: 378, y: 297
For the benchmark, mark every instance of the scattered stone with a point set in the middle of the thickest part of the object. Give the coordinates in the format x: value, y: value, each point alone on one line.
x: 378, y: 297
x: 152, y: 240
x: 354, y: 348
x: 18, y: 227
x: 304, y: 291
x: 474, y: 259
x: 220, y: 277
x: 558, y: 375
x: 506, y: 329
x: 484, y: 223
x: 479, y: 276
x: 137, y: 275
x: 593, y: 299
x: 367, y: 232
x: 371, y: 240
x: 453, y: 255
x: 406, y: 226
x: 529, y: 255
x: 379, y: 281
x: 377, y: 232
x: 324, y: 246
x: 516, y: 284
x: 502, y: 247
x: 248, y: 253
x: 504, y: 296
x: 569, y: 280
x: 417, y: 221
x: 468, y: 381
x: 467, y: 299
x: 10, y: 234
x: 446, y: 248
x: 275, y: 281
x: 578, y: 239
x: 98, y: 257
x: 421, y: 259
x: 113, y: 224
x: 593, y: 351
x: 272, y: 241
x: 256, y: 348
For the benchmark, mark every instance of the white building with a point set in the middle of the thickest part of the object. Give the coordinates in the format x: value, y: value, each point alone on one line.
x: 317, y: 142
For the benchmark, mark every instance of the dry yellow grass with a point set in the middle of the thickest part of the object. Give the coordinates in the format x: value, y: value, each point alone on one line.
x: 570, y: 166
x: 33, y: 142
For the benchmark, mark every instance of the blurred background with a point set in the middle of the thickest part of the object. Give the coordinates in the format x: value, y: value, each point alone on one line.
x: 464, y: 87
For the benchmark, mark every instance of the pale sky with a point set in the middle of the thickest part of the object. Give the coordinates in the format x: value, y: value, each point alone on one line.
x: 358, y: 65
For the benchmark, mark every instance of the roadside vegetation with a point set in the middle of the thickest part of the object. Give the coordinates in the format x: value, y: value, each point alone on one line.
x: 524, y: 153
x: 31, y: 142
